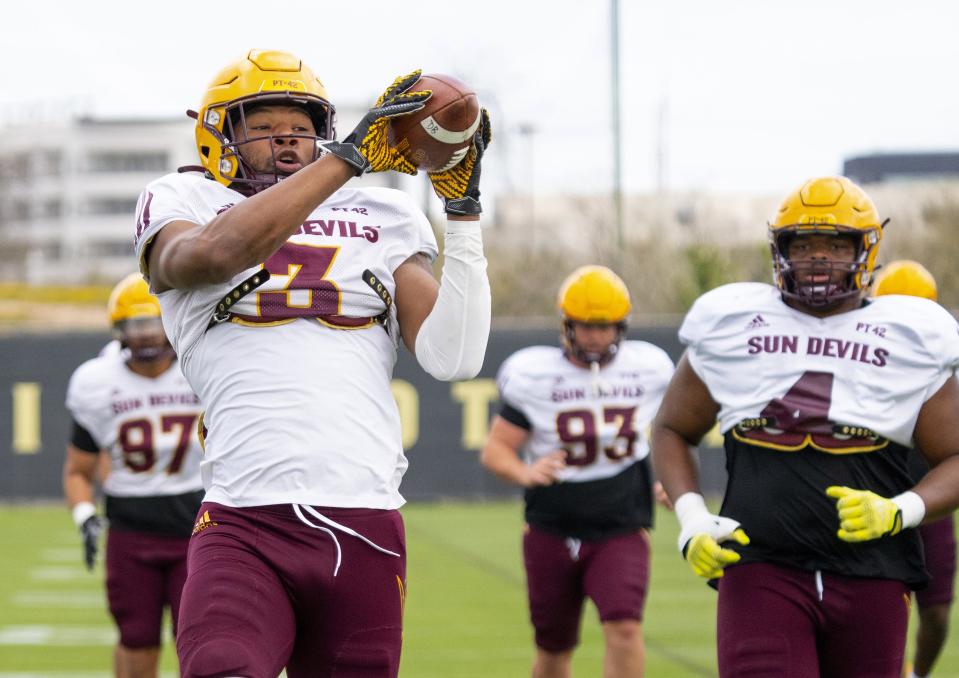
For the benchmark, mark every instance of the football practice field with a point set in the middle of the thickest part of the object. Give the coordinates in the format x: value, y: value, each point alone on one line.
x: 465, y: 610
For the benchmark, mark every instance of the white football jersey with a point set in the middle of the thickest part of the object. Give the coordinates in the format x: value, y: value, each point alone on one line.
x: 148, y: 426
x: 603, y: 424
x: 297, y: 410
x: 783, y: 370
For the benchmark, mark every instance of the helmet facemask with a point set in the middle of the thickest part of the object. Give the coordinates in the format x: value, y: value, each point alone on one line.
x: 573, y: 349
x: 144, y: 337
x: 244, y: 177
x: 856, y: 276
x: 826, y: 293
x: 825, y: 206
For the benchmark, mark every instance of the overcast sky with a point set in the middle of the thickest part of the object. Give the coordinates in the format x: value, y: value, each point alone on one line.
x: 747, y: 96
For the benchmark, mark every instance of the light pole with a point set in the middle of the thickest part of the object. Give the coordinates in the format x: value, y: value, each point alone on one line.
x: 527, y: 130
x: 617, y: 131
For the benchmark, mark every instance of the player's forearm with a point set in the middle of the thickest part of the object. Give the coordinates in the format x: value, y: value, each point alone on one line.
x: 505, y: 463
x: 77, y: 488
x: 451, y: 342
x: 250, y: 232
x: 939, y: 489
x: 673, y: 462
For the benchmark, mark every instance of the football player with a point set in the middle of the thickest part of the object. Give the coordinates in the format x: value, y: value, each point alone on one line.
x: 285, y: 294
x: 820, y: 394
x: 573, y: 432
x: 135, y: 405
x: 938, y: 536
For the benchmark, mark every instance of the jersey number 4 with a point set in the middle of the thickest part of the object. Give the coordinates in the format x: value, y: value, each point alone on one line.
x: 578, y: 432
x: 800, y: 418
x: 136, y: 441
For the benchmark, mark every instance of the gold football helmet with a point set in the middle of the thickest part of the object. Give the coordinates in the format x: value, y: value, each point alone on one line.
x: 261, y: 77
x: 135, y: 317
x: 131, y: 298
x: 832, y: 206
x: 906, y: 277
x: 597, y: 296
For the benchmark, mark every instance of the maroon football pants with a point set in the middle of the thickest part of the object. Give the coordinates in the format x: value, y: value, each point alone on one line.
x: 939, y: 544
x: 562, y: 572
x: 266, y: 591
x: 789, y: 623
x: 145, y: 573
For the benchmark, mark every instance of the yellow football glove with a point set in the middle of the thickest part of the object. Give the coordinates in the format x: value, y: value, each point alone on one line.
x: 864, y: 515
x: 701, y: 536
x: 459, y: 185
x: 708, y: 558
x: 366, y: 147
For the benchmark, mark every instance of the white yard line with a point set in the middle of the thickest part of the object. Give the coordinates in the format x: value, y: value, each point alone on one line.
x: 73, y: 554
x: 60, y: 573
x: 71, y: 599
x: 37, y: 634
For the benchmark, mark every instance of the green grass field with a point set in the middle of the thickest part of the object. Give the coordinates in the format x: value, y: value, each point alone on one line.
x: 465, y: 610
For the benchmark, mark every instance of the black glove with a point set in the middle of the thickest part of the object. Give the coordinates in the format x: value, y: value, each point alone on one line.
x: 459, y: 185
x: 366, y: 148
x: 91, y: 529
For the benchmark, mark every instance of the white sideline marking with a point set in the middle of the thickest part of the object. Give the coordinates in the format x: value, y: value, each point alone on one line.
x: 62, y: 555
x: 57, y: 635
x: 73, y: 599
x: 60, y: 573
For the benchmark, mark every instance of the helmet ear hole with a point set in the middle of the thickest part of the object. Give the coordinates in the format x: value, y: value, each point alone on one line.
x: 205, y: 151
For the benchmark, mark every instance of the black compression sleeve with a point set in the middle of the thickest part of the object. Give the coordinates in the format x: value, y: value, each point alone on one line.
x: 81, y: 439
x: 514, y: 416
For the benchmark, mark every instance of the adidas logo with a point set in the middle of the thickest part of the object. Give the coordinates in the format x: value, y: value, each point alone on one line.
x: 202, y: 523
x: 757, y: 322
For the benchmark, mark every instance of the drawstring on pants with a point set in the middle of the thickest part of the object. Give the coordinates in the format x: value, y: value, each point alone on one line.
x: 298, y: 510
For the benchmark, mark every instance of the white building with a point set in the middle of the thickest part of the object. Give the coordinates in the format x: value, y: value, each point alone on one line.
x: 68, y: 192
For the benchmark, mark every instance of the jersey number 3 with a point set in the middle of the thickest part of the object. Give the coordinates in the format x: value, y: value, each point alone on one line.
x: 304, y: 291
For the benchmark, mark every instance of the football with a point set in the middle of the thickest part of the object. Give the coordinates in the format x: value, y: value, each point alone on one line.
x: 436, y: 137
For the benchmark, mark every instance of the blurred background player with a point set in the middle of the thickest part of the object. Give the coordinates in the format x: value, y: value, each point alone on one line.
x: 285, y: 295
x: 573, y: 432
x: 938, y: 537
x: 136, y: 405
x: 820, y: 395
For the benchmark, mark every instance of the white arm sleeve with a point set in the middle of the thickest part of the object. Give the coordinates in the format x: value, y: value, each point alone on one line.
x: 451, y: 343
